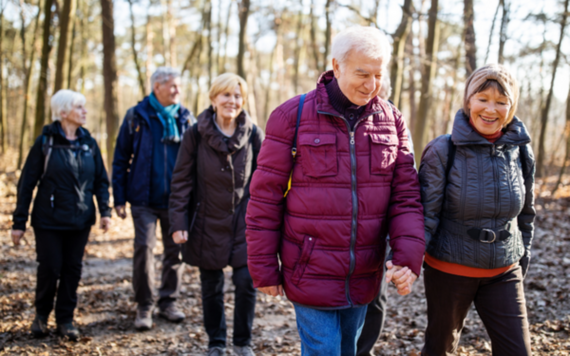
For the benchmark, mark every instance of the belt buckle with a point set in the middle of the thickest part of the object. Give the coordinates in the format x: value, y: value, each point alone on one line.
x: 487, y: 241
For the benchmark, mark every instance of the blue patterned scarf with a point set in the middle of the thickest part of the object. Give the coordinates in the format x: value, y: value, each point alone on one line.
x: 167, y: 116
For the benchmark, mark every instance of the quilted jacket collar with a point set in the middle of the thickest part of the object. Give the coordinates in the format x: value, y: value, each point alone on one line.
x: 464, y: 134
x: 216, y: 139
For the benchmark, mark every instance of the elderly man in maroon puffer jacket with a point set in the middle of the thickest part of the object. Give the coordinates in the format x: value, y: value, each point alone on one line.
x: 352, y: 183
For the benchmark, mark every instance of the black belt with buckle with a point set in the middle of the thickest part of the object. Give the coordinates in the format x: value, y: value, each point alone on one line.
x: 483, y: 235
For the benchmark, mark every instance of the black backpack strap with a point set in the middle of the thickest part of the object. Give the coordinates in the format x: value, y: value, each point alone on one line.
x: 450, y: 156
x: 254, y: 148
x: 130, y: 117
x: 299, y: 113
x: 47, y: 147
x: 523, y: 153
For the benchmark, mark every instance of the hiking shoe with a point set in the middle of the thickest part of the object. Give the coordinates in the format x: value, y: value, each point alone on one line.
x: 243, y: 351
x: 171, y: 313
x: 68, y: 330
x: 143, y: 321
x: 216, y: 351
x: 39, y: 327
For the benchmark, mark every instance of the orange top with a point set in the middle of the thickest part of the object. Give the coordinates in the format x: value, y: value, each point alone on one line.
x: 461, y: 270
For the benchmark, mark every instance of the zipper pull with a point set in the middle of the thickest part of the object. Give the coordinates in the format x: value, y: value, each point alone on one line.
x: 352, y: 137
x: 51, y: 199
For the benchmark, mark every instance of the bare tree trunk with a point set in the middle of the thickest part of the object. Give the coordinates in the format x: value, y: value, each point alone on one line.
x: 314, y: 44
x: 142, y: 83
x: 165, y: 33
x: 399, y: 45
x: 65, y: 24
x: 327, y: 34
x: 149, y: 54
x: 71, y: 51
x: 297, y: 50
x: 412, y: 83
x: 85, y: 10
x: 219, y: 37
x: 109, y: 77
x: 172, y: 23
x: 251, y: 80
x: 243, y: 14
x: 453, y: 90
x: 42, y: 82
x: 503, y: 33
x: 470, y: 47
x: 544, y: 117
x: 28, y: 69
x: 208, y: 20
x: 3, y: 114
x: 567, y: 155
x: 492, y: 31
x: 271, y: 71
x: 430, y: 66
x: 226, y: 34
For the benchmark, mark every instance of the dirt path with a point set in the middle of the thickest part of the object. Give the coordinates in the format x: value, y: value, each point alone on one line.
x: 106, y: 310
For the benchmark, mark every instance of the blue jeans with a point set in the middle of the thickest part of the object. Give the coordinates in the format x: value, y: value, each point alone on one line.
x: 329, y: 332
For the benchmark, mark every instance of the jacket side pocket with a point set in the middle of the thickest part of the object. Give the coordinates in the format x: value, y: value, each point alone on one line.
x: 306, y: 251
x: 383, y: 153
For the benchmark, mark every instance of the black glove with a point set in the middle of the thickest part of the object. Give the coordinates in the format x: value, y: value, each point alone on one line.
x: 525, y: 262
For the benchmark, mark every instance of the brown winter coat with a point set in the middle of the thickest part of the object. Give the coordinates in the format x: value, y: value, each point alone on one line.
x: 210, y: 192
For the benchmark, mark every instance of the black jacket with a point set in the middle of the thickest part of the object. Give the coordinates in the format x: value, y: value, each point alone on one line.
x: 215, y: 179
x: 486, y: 188
x: 64, y: 200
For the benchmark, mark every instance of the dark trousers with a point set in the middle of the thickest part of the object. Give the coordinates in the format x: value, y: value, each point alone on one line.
x: 500, y: 303
x: 375, y: 316
x: 213, y: 305
x: 60, y: 255
x: 145, y: 220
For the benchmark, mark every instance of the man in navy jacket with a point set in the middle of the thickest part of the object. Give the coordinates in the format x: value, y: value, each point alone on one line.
x: 145, y: 154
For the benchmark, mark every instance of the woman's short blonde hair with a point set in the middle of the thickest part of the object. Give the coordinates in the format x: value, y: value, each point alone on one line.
x: 63, y: 101
x: 493, y: 76
x: 227, y: 82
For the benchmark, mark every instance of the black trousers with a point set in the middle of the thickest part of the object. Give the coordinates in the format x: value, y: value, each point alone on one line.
x: 500, y: 303
x: 145, y: 219
x: 213, y: 306
x: 375, y: 317
x: 60, y: 255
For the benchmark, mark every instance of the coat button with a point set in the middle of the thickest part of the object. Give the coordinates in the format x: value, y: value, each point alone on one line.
x: 317, y: 140
x: 222, y: 169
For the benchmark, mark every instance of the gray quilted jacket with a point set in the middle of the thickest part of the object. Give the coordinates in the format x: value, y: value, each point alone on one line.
x: 486, y: 196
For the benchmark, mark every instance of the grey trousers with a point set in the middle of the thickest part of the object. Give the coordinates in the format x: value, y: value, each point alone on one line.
x: 145, y: 219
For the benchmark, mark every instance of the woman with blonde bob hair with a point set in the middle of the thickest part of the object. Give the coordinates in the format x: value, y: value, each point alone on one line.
x: 210, y: 192
x: 477, y: 192
x: 66, y: 162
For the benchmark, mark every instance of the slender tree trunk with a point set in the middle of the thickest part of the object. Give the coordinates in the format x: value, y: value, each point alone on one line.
x: 109, y: 77
x: 65, y: 24
x: 83, y: 28
x: 209, y: 28
x: 165, y: 33
x: 503, y: 33
x: 430, y: 66
x: 297, y: 50
x: 70, y: 55
x: 226, y: 34
x: 453, y: 90
x: 327, y: 34
x: 567, y: 155
x: 412, y: 83
x: 492, y: 31
x: 540, y: 171
x: 243, y: 16
x: 219, y: 37
x: 149, y: 54
x: 142, y: 83
x: 3, y: 121
x: 172, y: 23
x: 42, y: 82
x: 314, y: 44
x: 266, y: 106
x: 28, y: 69
x: 470, y: 47
x: 399, y: 46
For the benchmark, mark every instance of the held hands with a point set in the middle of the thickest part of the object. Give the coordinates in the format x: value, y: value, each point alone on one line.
x: 121, y: 211
x: 402, y: 277
x: 105, y: 223
x: 180, y: 236
x: 18, y: 235
x: 273, y: 291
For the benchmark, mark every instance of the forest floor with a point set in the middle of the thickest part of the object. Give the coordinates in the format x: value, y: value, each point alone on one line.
x: 106, y: 310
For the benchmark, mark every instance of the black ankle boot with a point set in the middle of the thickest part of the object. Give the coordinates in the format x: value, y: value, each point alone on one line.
x: 39, y: 326
x: 68, y: 330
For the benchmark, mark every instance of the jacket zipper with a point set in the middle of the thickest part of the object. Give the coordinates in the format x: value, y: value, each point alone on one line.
x: 497, y: 198
x: 354, y: 198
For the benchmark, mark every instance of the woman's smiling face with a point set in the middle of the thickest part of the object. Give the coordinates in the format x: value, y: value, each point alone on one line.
x: 489, y: 110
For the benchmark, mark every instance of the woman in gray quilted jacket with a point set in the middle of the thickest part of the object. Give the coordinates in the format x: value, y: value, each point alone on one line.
x: 477, y: 192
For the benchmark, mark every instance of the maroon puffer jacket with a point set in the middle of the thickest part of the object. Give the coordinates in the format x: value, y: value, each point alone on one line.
x: 348, y: 191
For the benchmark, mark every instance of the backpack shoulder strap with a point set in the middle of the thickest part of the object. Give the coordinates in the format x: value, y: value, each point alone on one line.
x: 523, y: 157
x: 254, y: 148
x: 130, y: 117
x: 47, y: 147
x: 450, y: 156
x: 294, y: 147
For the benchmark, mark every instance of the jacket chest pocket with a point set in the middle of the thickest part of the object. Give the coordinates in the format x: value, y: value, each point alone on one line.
x: 383, y: 153
x: 319, y: 156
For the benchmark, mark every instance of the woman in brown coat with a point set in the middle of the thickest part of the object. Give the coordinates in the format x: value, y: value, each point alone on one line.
x: 210, y: 192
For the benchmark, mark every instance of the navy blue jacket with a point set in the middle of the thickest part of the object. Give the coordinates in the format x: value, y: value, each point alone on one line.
x: 142, y: 165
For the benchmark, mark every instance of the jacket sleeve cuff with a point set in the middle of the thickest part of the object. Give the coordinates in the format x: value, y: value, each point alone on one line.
x: 411, y: 257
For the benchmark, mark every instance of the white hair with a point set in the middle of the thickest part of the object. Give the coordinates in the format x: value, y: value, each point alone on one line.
x: 386, y: 89
x: 367, y: 41
x: 63, y: 101
x: 163, y: 74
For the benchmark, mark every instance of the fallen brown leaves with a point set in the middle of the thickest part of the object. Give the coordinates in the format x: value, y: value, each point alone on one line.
x: 105, y: 312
